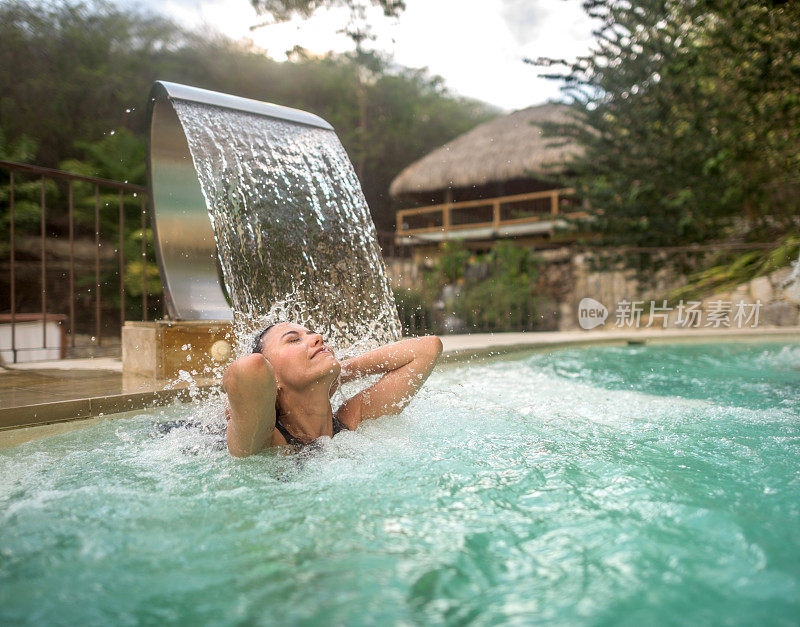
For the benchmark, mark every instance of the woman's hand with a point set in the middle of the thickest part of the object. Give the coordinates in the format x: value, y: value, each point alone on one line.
x: 391, y: 357
x: 407, y: 365
x: 251, y: 387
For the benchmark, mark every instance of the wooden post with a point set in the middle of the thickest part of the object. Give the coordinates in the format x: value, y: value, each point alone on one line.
x: 448, y: 204
x: 554, y: 203
x: 399, y: 219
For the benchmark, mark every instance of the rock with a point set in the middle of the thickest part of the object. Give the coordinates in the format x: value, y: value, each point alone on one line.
x: 672, y: 320
x: 779, y: 276
x: 692, y: 315
x: 741, y: 295
x: 568, y: 319
x: 725, y: 297
x: 780, y: 314
x: 761, y: 289
x: 791, y: 293
x: 619, y: 287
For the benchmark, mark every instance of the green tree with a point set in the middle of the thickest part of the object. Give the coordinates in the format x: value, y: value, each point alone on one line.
x: 283, y: 10
x: 689, y: 117
x: 77, y: 71
x: 119, y: 156
x: 73, y: 73
x: 27, y: 192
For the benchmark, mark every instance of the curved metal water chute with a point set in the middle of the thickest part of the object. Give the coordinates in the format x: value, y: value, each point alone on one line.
x: 185, y: 247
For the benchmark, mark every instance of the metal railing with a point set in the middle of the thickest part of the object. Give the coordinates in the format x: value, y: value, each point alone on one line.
x: 489, y: 213
x: 25, y: 176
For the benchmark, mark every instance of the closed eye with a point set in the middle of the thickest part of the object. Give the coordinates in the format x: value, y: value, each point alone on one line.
x: 295, y: 334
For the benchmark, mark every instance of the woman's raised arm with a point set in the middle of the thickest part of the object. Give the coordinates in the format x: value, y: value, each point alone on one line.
x: 250, y: 384
x: 407, y: 365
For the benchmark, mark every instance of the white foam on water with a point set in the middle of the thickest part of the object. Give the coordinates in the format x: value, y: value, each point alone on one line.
x: 489, y: 495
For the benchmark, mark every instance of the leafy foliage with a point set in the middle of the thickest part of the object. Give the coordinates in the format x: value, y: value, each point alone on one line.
x: 453, y: 261
x: 690, y: 117
x: 493, y: 291
x: 119, y: 156
x: 414, y: 309
x: 504, y: 296
x: 723, y: 275
x: 27, y: 193
x: 283, y: 10
x: 87, y: 68
x: 358, y: 29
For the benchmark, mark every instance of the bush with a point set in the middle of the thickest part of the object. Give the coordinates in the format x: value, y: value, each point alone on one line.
x: 453, y: 261
x: 497, y: 290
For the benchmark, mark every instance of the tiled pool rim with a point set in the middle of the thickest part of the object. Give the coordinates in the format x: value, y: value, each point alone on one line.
x: 26, y: 422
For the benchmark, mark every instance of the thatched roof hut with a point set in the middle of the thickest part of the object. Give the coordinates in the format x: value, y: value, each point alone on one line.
x: 507, y: 149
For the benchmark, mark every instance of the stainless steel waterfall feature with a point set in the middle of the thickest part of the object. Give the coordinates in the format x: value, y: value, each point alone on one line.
x: 186, y: 250
x: 263, y: 200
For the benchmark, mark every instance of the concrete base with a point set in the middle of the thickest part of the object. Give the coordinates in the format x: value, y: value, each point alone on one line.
x: 160, y: 349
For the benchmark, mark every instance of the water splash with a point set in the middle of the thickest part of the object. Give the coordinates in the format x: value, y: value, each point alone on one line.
x: 293, y: 230
x: 507, y: 492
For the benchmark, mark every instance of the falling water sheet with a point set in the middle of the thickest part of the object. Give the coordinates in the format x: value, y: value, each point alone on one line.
x: 294, y: 235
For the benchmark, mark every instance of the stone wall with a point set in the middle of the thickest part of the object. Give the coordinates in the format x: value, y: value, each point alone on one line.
x: 776, y: 297
x: 778, y: 294
x: 567, y: 277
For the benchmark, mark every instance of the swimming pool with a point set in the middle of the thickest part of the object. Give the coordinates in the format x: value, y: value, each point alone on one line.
x: 638, y: 484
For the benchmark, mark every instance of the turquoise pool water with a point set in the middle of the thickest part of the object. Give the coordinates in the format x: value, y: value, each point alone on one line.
x: 608, y: 485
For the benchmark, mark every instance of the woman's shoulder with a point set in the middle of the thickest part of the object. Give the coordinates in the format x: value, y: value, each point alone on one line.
x: 277, y: 437
x: 348, y: 414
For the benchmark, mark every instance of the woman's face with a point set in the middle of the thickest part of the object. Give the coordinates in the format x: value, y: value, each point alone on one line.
x: 300, y: 357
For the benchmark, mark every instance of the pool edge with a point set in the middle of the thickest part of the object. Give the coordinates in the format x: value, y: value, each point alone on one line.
x: 454, y: 354
x: 36, y: 418
x: 44, y: 419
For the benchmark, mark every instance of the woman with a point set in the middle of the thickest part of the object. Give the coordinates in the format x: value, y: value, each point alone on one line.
x: 280, y: 394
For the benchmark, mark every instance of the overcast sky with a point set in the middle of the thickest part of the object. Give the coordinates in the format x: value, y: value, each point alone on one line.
x: 477, y: 46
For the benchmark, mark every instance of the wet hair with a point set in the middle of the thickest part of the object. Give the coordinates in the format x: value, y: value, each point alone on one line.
x: 258, y: 340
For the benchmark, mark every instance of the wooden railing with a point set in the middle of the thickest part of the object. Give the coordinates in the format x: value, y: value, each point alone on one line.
x: 54, y: 191
x: 492, y: 213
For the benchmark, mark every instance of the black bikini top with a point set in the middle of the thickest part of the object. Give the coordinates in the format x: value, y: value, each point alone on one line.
x: 290, y: 439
